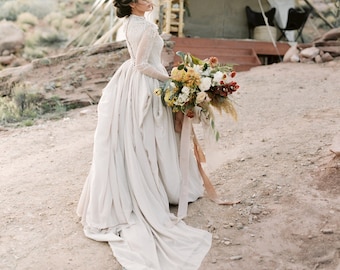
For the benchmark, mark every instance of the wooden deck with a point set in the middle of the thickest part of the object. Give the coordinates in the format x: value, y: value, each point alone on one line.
x: 243, y: 54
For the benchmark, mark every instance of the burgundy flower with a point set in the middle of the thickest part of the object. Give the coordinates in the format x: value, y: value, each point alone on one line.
x: 190, y: 113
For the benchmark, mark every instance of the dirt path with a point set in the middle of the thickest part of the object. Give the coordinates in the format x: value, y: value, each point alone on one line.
x: 275, y: 159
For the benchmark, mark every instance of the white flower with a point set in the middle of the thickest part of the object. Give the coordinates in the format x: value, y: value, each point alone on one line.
x: 181, y: 100
x: 186, y: 90
x: 205, y: 84
x: 218, y: 77
x: 202, y: 96
x: 197, y: 68
x: 206, y: 72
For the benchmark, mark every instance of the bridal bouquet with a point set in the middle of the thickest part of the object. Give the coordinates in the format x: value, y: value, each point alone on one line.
x: 196, y: 86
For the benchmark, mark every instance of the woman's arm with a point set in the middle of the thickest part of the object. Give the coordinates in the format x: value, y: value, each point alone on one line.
x: 143, y: 52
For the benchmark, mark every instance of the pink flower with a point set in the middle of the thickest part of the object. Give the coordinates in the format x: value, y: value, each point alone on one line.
x: 213, y: 61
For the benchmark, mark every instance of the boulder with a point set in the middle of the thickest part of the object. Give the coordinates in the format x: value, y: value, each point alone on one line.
x: 11, y: 38
x: 326, y: 57
x: 310, y: 52
x: 7, y: 60
x: 292, y: 54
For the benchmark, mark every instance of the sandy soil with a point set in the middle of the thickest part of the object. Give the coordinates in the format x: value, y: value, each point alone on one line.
x: 276, y: 159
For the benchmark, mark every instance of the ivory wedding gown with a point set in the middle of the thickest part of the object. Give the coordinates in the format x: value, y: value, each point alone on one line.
x: 135, y: 169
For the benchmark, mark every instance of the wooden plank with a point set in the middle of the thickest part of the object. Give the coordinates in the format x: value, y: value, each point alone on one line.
x: 260, y: 47
x: 213, y: 50
x: 240, y: 56
x: 243, y: 54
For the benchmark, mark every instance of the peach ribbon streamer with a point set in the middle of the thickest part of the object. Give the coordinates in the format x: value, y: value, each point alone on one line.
x: 211, y: 192
x: 187, y: 131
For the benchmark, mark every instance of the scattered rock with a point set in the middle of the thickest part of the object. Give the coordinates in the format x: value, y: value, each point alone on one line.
x: 239, y: 226
x: 236, y: 258
x: 326, y: 57
x: 292, y: 52
x: 84, y: 112
x: 310, y: 53
x: 327, y: 231
x: 322, y: 50
x: 255, y: 210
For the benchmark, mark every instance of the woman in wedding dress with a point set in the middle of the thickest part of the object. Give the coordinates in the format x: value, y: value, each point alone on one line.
x: 135, y: 172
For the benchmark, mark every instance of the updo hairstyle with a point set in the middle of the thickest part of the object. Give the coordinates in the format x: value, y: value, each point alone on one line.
x: 123, y: 8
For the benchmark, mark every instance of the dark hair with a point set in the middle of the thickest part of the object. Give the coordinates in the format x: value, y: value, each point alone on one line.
x: 123, y: 8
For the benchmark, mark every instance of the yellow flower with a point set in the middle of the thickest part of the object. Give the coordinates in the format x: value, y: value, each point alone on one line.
x: 167, y: 98
x: 157, y: 91
x: 192, y: 78
x: 177, y: 75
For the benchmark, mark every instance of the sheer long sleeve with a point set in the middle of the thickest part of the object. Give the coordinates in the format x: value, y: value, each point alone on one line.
x: 143, y: 55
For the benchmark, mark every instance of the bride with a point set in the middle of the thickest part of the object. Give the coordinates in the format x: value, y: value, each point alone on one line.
x: 135, y: 172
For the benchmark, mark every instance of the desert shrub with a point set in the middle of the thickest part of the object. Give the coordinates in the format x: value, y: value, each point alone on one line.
x: 66, y: 25
x: 70, y: 11
x: 8, y: 12
x: 25, y: 106
x: 11, y: 9
x: 20, y: 107
x: 54, y: 19
x: 49, y: 37
x: 84, y: 19
x: 27, y: 18
x: 31, y: 52
x: 86, y: 2
x: 8, y: 111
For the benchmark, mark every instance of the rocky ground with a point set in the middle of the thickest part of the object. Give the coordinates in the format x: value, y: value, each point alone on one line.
x: 275, y: 159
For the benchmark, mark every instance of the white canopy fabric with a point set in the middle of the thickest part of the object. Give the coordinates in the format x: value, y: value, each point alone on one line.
x: 281, y: 15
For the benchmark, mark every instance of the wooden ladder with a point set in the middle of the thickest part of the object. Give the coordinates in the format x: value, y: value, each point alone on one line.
x: 173, y: 17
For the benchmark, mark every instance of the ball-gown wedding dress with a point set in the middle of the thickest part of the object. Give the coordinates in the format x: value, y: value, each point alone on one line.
x: 135, y: 172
